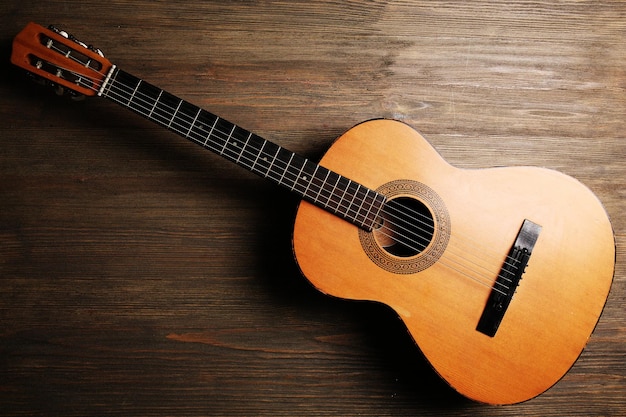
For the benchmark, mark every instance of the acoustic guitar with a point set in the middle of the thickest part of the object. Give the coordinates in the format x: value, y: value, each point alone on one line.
x: 500, y: 275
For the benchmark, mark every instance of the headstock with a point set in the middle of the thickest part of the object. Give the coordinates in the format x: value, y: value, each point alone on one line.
x: 65, y: 62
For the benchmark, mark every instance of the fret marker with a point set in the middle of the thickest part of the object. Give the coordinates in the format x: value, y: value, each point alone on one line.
x: 304, y: 178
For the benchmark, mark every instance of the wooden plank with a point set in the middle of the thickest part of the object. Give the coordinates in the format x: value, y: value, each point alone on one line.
x: 141, y: 275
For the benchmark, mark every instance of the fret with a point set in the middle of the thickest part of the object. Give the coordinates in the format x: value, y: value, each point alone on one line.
x: 304, y: 178
x: 261, y: 148
x: 146, y: 103
x: 258, y: 154
x: 287, y: 165
x: 143, y: 99
x: 344, y: 206
x: 184, y: 118
x: 193, y: 123
x: 200, y: 132
x: 155, y: 104
x: 339, y: 193
x: 331, y: 193
x: 227, y: 139
x: 321, y: 182
x: 230, y: 140
x: 134, y: 92
x: 163, y: 110
x: 360, y: 200
x: 344, y: 183
x: 379, y: 200
x: 217, y: 119
x: 303, y: 163
x: 119, y: 88
x: 351, y: 203
x: 365, y: 205
x: 271, y: 165
x: 266, y: 159
x: 169, y: 125
x: 243, y: 148
x: 234, y: 148
x: 310, y: 181
x: 316, y: 184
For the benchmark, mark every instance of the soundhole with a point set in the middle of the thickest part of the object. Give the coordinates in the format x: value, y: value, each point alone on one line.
x: 406, y: 228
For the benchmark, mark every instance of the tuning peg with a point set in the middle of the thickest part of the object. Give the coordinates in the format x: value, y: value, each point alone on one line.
x: 96, y: 50
x: 36, y: 78
x: 75, y: 39
x: 73, y: 95
x: 57, y: 88
x: 59, y: 31
x: 77, y: 97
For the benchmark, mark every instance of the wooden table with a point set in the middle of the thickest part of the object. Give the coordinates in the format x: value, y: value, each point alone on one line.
x: 141, y: 275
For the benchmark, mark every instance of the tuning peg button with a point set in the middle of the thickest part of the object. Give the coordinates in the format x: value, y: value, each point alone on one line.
x: 96, y: 50
x: 59, y: 31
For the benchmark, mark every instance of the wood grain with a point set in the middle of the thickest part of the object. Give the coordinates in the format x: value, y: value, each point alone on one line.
x: 140, y: 275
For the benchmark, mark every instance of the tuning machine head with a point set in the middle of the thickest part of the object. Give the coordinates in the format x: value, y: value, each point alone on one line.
x: 58, y: 89
x: 70, y: 66
x: 75, y: 39
x: 59, y: 31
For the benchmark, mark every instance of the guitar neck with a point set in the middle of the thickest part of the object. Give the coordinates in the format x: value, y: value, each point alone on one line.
x: 312, y: 182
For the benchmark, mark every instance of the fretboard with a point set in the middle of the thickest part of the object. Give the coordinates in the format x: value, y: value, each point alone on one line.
x: 311, y: 181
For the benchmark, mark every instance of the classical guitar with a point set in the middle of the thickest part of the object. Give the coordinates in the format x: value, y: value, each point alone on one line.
x: 500, y: 275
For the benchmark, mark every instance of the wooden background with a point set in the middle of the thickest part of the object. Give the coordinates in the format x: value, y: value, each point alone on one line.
x: 141, y: 275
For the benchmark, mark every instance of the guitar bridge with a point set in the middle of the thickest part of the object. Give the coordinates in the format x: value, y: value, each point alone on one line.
x: 508, y: 279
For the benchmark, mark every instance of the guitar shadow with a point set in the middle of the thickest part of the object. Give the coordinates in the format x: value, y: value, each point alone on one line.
x: 378, y: 337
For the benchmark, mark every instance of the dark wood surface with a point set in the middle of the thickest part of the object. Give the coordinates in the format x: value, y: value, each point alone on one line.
x: 141, y: 275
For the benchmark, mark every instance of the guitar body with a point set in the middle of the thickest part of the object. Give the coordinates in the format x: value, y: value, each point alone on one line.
x: 441, y: 292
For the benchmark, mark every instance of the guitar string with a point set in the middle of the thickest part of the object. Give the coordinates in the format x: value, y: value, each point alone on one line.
x: 216, y: 133
x: 396, y: 237
x: 426, y: 224
x: 98, y: 80
x: 508, y: 260
x: 403, y: 239
x: 408, y: 241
